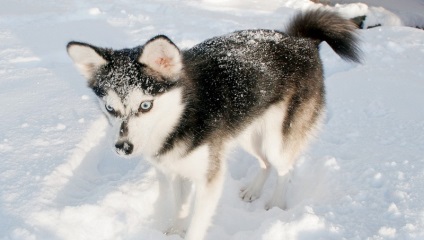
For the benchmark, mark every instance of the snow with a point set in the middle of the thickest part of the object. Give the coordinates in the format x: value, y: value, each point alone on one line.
x: 407, y: 13
x: 362, y: 178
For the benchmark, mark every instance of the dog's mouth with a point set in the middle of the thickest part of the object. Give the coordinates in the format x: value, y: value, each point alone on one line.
x: 124, y: 148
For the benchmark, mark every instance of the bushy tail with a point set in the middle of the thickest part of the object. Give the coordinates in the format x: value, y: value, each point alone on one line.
x: 322, y: 25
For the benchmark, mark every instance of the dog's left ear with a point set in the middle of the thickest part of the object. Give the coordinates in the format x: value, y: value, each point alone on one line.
x: 163, y: 56
x: 87, y: 58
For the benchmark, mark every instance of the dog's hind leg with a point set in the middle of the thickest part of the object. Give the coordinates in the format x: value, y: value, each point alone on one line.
x: 251, y: 145
x: 278, y: 198
x: 300, y: 122
x: 279, y: 162
x: 292, y: 147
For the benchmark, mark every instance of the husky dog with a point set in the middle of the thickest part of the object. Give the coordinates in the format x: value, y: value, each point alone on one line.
x: 183, y: 109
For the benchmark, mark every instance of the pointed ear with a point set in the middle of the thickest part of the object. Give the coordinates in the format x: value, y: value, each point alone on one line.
x: 86, y: 58
x: 163, y: 56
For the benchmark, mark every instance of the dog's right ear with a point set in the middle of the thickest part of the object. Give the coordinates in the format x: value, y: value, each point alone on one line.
x: 86, y: 58
x: 163, y: 56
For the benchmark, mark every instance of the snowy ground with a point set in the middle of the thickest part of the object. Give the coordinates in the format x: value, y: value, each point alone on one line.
x: 363, y: 178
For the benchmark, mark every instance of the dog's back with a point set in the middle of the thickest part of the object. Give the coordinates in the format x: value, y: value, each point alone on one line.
x: 236, y: 77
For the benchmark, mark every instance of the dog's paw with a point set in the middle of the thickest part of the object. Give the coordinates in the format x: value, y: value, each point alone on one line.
x: 249, y: 194
x: 175, y: 231
x: 276, y: 203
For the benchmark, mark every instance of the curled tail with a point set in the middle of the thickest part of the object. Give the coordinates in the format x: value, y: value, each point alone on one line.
x: 322, y: 25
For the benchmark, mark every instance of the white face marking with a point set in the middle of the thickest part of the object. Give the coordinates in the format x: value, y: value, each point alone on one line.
x: 113, y: 100
x: 134, y: 99
x: 146, y: 131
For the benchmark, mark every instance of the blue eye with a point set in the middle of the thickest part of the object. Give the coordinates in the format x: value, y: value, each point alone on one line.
x: 146, y: 106
x: 109, y: 108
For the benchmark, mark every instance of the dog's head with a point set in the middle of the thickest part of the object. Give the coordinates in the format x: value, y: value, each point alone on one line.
x: 137, y: 89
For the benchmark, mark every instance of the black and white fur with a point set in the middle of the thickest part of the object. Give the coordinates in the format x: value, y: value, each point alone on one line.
x: 183, y: 109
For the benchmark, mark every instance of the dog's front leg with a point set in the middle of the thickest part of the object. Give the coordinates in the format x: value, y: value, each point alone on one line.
x: 181, y: 189
x: 208, y: 193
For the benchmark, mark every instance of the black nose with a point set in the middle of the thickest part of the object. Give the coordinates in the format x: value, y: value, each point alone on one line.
x: 125, y: 147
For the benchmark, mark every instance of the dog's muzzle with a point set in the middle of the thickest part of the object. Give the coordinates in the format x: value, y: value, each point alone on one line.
x: 124, y: 147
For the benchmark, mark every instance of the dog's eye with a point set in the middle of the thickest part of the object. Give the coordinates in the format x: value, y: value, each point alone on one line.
x: 146, y: 106
x: 109, y: 108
